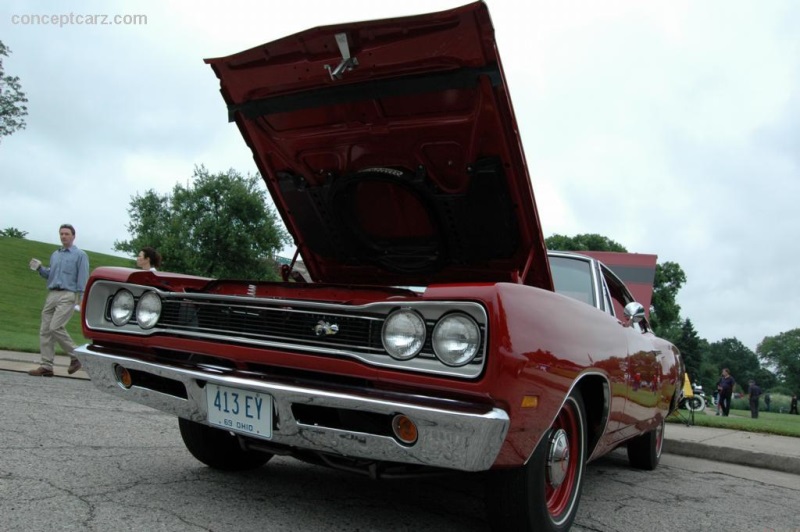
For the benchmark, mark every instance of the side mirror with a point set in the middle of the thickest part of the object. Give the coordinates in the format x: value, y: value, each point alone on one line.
x: 634, y: 312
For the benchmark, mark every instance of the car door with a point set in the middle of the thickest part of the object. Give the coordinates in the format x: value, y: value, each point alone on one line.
x: 644, y: 373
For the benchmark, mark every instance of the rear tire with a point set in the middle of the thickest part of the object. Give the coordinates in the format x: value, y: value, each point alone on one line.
x: 544, y: 493
x: 644, y: 452
x: 219, y: 449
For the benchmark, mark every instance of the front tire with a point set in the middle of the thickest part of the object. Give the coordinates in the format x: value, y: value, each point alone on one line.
x: 695, y: 403
x: 544, y: 493
x: 644, y: 452
x: 219, y: 449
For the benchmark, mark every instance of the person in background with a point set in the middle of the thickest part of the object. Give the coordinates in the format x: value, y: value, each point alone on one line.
x: 755, y: 392
x: 66, y: 280
x: 793, y: 404
x: 767, y: 400
x: 718, y: 396
x: 726, y: 384
x: 148, y: 259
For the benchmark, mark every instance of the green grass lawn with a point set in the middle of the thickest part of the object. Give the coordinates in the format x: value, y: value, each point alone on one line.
x: 767, y: 422
x: 23, y: 293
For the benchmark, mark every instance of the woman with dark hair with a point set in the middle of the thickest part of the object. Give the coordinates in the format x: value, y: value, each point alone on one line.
x: 148, y: 259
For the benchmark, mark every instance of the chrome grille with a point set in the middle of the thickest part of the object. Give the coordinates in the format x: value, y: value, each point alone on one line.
x: 360, y: 333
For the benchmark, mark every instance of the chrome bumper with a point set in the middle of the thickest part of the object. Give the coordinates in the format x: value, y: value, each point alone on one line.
x: 448, y: 438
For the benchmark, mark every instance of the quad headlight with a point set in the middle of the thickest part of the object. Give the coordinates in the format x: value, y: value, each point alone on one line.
x: 148, y: 310
x: 122, y: 305
x: 456, y: 339
x: 403, y: 334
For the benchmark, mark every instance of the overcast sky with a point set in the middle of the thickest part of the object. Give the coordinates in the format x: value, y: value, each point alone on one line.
x: 672, y: 127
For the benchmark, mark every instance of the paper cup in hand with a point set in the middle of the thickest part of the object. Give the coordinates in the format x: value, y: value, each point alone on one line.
x: 34, y: 264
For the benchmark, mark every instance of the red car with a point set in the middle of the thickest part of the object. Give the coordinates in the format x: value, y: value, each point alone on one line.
x: 437, y: 332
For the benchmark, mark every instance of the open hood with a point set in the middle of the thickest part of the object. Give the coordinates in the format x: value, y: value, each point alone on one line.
x: 391, y: 150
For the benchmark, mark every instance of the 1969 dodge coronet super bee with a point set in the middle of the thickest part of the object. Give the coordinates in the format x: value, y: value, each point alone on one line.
x: 435, y: 332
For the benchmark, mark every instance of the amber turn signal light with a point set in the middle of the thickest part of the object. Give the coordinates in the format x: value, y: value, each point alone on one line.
x: 530, y: 401
x: 123, y: 376
x: 404, y: 429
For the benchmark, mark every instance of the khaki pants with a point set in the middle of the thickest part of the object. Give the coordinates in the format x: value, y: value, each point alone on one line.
x: 58, y: 309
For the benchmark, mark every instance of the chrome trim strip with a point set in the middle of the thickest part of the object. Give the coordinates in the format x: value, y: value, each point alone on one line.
x: 448, y: 438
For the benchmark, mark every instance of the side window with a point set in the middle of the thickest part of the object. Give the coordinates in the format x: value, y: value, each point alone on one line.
x: 607, y: 305
x: 620, y: 296
x: 573, y: 278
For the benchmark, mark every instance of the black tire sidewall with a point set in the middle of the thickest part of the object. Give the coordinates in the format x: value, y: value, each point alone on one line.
x: 517, y: 498
x: 218, y: 449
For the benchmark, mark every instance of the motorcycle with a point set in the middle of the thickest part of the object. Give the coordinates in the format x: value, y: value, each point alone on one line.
x: 698, y: 401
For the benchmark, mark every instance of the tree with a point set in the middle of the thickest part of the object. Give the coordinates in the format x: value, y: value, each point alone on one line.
x: 220, y: 226
x: 12, y: 100
x: 13, y: 232
x: 691, y: 347
x: 766, y: 379
x: 782, y: 352
x: 586, y: 242
x: 669, y: 279
x: 739, y: 359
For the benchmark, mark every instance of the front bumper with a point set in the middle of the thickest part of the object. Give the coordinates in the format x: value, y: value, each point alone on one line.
x: 451, y: 434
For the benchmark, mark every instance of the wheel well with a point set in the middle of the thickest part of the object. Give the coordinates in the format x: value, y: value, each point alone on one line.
x: 596, y: 400
x: 675, y: 401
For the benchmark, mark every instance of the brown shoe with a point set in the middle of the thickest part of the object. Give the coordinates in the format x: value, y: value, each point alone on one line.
x: 41, y: 371
x: 74, y: 366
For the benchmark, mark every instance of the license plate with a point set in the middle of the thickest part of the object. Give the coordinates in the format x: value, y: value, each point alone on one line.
x: 239, y: 410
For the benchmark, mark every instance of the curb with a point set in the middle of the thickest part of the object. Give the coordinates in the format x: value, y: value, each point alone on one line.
x: 19, y: 364
x: 785, y: 464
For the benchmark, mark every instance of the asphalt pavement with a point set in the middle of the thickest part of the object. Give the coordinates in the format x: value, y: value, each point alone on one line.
x: 766, y: 451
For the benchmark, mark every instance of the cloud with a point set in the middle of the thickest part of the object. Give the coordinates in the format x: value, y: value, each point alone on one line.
x: 671, y: 128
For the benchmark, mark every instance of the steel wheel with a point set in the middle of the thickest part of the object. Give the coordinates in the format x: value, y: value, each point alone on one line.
x: 563, y: 470
x: 544, y: 493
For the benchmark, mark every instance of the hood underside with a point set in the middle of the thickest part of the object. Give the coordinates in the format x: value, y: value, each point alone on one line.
x: 391, y: 150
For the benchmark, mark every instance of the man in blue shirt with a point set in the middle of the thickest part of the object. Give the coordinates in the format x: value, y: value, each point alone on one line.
x: 66, y: 280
